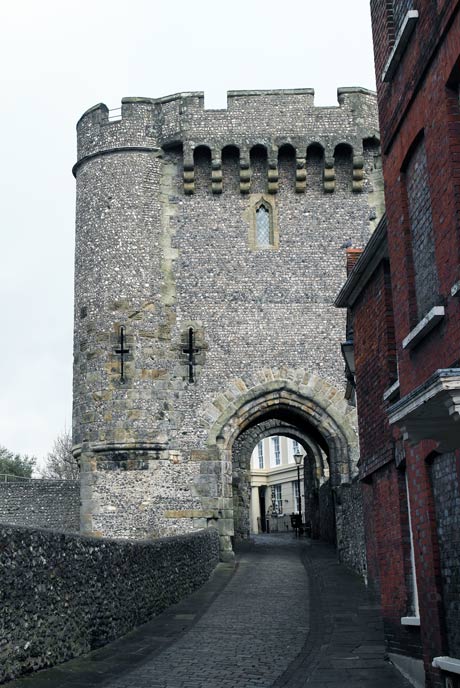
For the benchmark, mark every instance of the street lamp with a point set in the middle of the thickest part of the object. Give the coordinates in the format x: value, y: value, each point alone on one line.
x: 298, y: 458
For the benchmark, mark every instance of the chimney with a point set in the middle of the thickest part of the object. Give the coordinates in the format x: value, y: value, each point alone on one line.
x: 353, y: 255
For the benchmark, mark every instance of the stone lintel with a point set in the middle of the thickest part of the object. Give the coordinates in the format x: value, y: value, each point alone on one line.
x: 190, y: 513
x: 204, y: 455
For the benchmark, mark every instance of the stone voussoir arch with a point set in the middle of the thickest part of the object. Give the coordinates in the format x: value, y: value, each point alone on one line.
x: 311, y: 397
x: 249, y: 438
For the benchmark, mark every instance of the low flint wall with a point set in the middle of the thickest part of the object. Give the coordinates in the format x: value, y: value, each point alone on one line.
x: 41, y: 503
x: 351, y: 543
x: 63, y: 594
x: 327, y: 525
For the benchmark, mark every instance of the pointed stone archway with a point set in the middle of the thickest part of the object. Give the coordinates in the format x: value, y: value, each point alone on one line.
x: 303, y: 405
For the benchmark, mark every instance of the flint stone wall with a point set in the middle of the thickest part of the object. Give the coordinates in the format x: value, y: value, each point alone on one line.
x: 446, y: 492
x: 351, y: 543
x: 327, y: 527
x: 63, y: 595
x: 41, y: 503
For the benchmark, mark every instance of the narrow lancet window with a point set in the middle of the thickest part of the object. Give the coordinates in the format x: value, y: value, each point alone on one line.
x: 263, y: 226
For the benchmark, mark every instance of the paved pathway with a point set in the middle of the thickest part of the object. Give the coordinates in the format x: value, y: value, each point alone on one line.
x: 287, y: 615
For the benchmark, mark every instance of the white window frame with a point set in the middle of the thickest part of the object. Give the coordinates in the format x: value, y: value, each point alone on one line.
x: 414, y: 619
x: 260, y: 454
x: 264, y: 207
x: 277, y: 497
x: 276, y: 451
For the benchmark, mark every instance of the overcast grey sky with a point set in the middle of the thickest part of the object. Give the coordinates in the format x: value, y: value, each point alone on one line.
x: 58, y: 59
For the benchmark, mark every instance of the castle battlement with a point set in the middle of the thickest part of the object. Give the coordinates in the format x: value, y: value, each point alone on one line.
x: 269, y: 119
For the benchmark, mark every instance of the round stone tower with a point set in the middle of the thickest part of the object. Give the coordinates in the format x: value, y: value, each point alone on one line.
x: 209, y: 250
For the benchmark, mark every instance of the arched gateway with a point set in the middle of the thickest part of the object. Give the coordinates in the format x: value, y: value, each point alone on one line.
x: 209, y: 252
x: 281, y: 402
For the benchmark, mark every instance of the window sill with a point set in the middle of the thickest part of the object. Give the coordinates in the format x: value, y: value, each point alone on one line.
x: 392, y: 392
x: 402, y: 39
x: 265, y: 247
x: 455, y: 291
x: 431, y: 319
x: 447, y: 664
x: 410, y: 621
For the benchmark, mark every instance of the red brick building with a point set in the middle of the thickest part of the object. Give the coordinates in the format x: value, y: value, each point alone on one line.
x: 404, y: 301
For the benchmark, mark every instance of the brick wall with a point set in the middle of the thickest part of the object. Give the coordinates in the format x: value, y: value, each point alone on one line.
x: 446, y: 492
x: 41, y: 503
x: 389, y: 515
x: 385, y: 511
x: 400, y: 9
x: 395, y: 96
x: 427, y: 556
x: 376, y: 365
x: 421, y: 226
x: 423, y: 97
x: 420, y: 126
x: 383, y: 32
x: 63, y: 595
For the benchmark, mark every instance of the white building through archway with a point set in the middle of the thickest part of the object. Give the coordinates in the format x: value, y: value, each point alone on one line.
x: 275, y: 485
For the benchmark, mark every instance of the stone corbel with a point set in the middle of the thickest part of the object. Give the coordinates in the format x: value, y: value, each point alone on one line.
x: 245, y: 172
x: 189, y: 172
x: 358, y: 173
x: 272, y: 173
x: 216, y: 172
x: 300, y: 174
x: 329, y: 174
x: 452, y: 403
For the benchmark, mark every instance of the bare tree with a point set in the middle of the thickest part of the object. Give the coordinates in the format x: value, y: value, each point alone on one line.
x: 60, y: 463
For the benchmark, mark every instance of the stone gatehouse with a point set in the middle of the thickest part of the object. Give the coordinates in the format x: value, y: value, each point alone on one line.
x: 209, y: 251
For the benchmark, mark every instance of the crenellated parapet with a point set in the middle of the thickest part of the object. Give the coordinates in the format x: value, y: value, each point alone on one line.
x: 269, y: 120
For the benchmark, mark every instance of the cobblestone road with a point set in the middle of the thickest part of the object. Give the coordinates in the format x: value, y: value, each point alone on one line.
x: 288, y: 616
x: 252, y: 632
